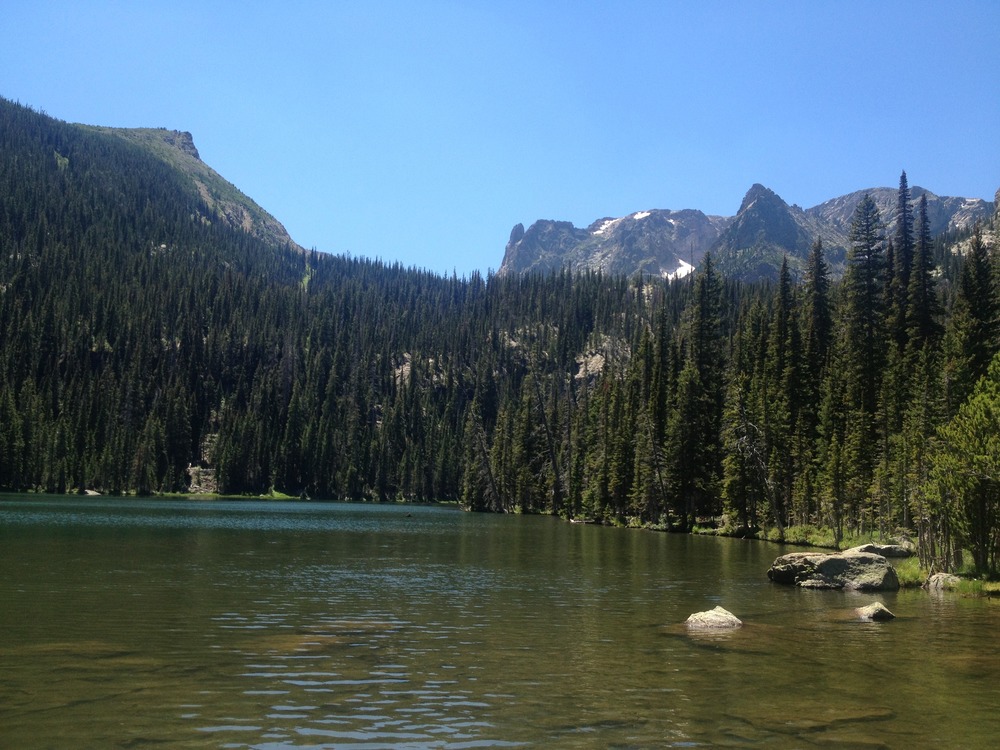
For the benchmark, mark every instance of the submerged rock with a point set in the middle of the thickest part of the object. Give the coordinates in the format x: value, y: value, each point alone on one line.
x: 712, y: 619
x: 853, y: 571
x: 874, y: 612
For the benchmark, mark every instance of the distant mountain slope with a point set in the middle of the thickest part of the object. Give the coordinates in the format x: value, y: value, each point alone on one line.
x: 658, y: 242
x: 224, y: 201
x: 765, y: 230
x: 149, y: 342
x: 944, y: 213
x: 749, y: 245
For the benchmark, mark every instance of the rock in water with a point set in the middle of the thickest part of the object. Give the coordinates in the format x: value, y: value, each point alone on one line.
x: 876, y: 611
x: 713, y: 619
x: 853, y: 571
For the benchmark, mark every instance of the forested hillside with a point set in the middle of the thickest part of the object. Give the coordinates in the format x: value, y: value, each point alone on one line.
x: 144, y: 346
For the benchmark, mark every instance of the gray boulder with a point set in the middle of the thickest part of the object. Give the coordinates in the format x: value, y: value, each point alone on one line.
x: 713, y: 619
x: 852, y: 571
x: 874, y: 612
x: 941, y: 582
x: 886, y: 550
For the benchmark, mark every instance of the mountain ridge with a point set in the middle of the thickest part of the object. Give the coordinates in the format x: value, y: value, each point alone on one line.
x: 225, y: 202
x: 750, y: 244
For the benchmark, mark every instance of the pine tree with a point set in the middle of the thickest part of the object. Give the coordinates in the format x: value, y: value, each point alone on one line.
x: 816, y: 337
x: 916, y: 441
x: 694, y: 433
x: 966, y: 472
x: 923, y: 308
x: 746, y: 486
x: 978, y: 290
x: 832, y: 429
x: 865, y: 302
x: 781, y: 400
x: 903, y: 249
x: 11, y: 442
x: 817, y: 316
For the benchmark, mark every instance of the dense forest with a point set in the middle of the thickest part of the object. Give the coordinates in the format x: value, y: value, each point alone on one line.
x: 146, y: 348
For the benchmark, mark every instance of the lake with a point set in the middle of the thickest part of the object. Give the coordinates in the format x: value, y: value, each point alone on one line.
x: 154, y: 623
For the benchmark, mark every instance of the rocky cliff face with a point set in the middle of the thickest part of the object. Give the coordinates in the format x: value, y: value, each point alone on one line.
x: 658, y: 242
x: 944, y: 213
x: 765, y: 230
x: 749, y: 245
x: 182, y: 141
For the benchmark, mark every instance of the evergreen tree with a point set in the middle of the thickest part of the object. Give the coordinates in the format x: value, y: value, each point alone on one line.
x: 966, y: 472
x: 923, y: 309
x: 817, y: 334
x: 978, y: 291
x: 915, y: 444
x: 695, y: 430
x: 746, y: 486
x: 865, y: 353
x: 818, y: 320
x: 864, y: 307
x: 903, y: 249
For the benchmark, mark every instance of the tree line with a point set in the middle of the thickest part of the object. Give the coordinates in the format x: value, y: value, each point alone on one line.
x: 141, y: 342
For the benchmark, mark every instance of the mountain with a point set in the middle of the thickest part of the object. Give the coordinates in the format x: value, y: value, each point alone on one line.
x: 659, y: 242
x: 765, y: 230
x: 224, y: 202
x: 945, y: 214
x: 749, y: 245
x: 151, y: 341
x: 159, y: 333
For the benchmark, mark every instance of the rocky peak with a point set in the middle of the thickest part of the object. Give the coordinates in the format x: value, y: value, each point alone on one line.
x: 659, y: 242
x: 765, y: 230
x: 183, y: 141
x: 751, y: 245
x: 516, y: 235
x: 759, y: 193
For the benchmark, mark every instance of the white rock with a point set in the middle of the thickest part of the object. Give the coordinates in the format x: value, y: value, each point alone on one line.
x: 713, y: 618
x: 874, y: 612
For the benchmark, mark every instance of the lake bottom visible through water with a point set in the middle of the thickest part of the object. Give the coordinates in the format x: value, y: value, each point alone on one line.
x: 151, y: 623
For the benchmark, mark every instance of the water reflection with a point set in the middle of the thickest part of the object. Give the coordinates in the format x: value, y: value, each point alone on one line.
x: 251, y: 625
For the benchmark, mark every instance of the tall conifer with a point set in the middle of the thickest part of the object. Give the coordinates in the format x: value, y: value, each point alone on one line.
x: 923, y: 306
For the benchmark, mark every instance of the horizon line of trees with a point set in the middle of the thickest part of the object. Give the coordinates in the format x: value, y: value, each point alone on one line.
x: 138, y: 340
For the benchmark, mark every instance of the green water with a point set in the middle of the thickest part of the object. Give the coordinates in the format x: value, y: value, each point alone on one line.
x: 135, y: 624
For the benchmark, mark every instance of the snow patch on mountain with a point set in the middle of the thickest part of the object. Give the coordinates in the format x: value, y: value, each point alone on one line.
x: 682, y: 270
x: 607, y: 226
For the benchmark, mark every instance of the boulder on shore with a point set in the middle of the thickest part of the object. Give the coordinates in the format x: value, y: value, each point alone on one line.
x: 713, y: 619
x: 874, y: 612
x: 941, y: 582
x: 852, y: 571
x: 886, y: 550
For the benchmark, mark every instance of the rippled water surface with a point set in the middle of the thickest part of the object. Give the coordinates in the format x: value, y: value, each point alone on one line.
x: 130, y: 623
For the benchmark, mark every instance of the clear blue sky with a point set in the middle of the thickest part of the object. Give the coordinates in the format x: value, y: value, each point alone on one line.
x: 422, y: 131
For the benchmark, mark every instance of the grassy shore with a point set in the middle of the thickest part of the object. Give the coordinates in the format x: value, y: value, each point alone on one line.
x: 908, y: 570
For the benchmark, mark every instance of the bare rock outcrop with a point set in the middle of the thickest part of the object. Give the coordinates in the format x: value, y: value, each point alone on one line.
x: 851, y: 571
